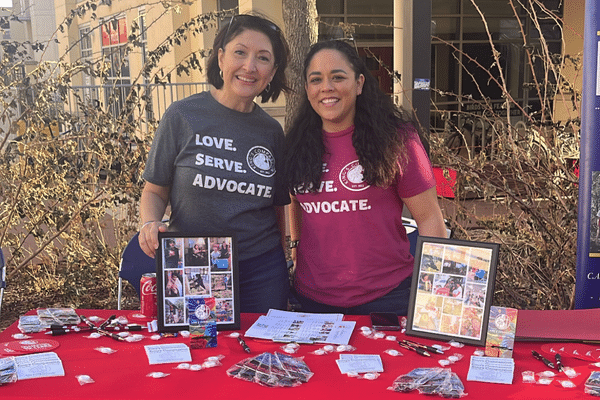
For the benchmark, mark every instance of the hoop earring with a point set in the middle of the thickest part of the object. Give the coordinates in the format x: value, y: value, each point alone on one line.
x: 268, y: 88
x: 221, y: 73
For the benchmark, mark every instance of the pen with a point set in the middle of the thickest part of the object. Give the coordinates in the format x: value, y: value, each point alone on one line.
x: 87, y: 321
x: 108, y: 321
x: 543, y: 359
x: 63, y: 331
x: 243, y: 344
x: 500, y: 347
x: 109, y: 334
x: 57, y: 332
x: 130, y: 327
x: 134, y: 327
x: 418, y: 350
x: 559, y: 365
x: 424, y: 346
x: 99, y: 330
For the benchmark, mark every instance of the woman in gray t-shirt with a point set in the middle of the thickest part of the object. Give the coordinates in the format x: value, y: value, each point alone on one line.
x: 216, y: 159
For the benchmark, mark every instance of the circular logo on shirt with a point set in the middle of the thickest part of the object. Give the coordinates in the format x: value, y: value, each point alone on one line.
x: 261, y: 161
x: 351, y: 176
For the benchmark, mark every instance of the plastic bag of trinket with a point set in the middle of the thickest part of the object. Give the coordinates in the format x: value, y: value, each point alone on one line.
x: 592, y: 384
x: 8, y: 370
x: 430, y: 381
x: 272, y: 370
x: 60, y: 316
x: 413, y: 379
x: 30, y: 324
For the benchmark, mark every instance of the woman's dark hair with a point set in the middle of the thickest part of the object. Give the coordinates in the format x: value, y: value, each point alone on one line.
x: 237, y: 25
x: 378, y: 138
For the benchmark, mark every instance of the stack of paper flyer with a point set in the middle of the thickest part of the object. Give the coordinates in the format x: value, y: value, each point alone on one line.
x: 286, y: 326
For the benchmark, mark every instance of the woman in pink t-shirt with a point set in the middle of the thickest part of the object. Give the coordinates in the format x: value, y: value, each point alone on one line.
x: 352, y: 163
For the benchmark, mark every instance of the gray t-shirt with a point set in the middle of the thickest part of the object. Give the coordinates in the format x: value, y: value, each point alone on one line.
x: 222, y: 167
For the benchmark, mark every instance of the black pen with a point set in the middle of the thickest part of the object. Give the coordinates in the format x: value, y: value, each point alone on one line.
x: 108, y: 321
x: 501, y: 347
x: 418, y: 350
x: 63, y: 331
x: 134, y: 327
x: 87, y: 322
x: 559, y: 365
x: 57, y: 332
x: 109, y: 334
x: 101, y: 331
x: 543, y: 359
x: 243, y: 344
x: 424, y: 346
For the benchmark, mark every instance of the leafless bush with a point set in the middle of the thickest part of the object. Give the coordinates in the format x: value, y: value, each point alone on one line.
x: 70, y: 177
x: 527, y: 171
x: 67, y: 180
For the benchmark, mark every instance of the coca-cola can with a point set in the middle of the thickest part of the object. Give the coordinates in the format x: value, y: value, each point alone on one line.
x: 148, y: 295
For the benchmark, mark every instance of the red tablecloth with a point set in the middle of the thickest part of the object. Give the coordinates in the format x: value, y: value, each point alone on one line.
x: 122, y: 375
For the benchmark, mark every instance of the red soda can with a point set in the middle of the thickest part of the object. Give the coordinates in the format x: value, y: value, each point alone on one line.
x: 148, y: 295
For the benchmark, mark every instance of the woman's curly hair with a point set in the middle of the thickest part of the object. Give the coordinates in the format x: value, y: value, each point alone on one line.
x: 378, y: 138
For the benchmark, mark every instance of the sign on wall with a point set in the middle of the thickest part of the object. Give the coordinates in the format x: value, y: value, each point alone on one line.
x: 587, y: 288
x: 114, y: 31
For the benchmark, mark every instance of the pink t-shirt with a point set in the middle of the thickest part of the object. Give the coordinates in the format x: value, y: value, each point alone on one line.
x: 353, y: 246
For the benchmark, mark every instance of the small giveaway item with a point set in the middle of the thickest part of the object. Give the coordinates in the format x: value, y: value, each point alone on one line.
x: 592, y: 385
x: 272, y: 370
x: 58, y: 316
x: 430, y: 381
x: 8, y: 370
x: 203, y: 322
x: 30, y: 324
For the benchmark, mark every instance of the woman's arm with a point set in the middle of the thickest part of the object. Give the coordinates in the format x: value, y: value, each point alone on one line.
x: 280, y: 211
x: 426, y: 212
x: 152, y: 209
x: 295, y: 223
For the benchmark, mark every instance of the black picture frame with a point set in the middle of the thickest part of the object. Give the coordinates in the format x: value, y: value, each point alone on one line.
x: 452, y: 289
x: 190, y: 266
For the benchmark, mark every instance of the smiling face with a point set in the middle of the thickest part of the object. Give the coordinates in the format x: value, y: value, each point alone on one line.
x: 332, y: 87
x: 248, y: 65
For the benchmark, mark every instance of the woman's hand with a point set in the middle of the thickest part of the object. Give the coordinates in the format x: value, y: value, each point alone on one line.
x: 148, y: 236
x: 152, y: 208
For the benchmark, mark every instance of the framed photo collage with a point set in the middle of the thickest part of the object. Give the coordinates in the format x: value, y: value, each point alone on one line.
x: 452, y: 289
x: 191, y: 268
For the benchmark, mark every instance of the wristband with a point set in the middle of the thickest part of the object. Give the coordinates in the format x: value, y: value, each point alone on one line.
x: 146, y: 223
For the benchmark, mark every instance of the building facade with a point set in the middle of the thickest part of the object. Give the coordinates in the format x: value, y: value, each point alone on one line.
x: 456, y: 29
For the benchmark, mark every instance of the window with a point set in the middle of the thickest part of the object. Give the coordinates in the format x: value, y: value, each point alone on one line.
x: 371, y: 20
x: 114, y: 40
x: 85, y: 46
x: 223, y: 5
x: 457, y: 24
x: 369, y: 24
x: 5, y: 26
x: 85, y: 43
x: 457, y: 29
x: 144, y: 58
